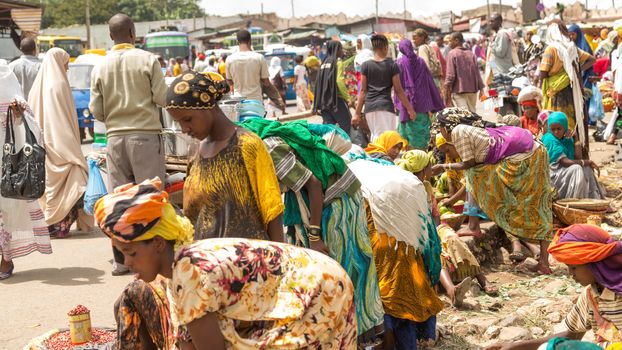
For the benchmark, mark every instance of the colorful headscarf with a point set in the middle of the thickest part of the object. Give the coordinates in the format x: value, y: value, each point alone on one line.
x: 193, y: 90
x: 581, y: 42
x: 543, y: 118
x: 440, y: 140
x: 139, y: 213
x: 510, y: 119
x: 385, y: 142
x: 414, y: 161
x: 588, y: 244
x: 569, y: 344
x: 554, y: 146
x: 453, y: 116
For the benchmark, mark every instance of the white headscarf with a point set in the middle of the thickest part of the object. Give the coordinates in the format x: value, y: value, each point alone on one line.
x: 365, y: 53
x: 275, y: 67
x: 66, y: 169
x: 568, y: 52
x: 606, y: 46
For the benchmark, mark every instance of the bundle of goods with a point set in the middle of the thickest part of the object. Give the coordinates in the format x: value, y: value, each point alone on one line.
x: 606, y: 90
x: 578, y: 211
x: 79, y: 336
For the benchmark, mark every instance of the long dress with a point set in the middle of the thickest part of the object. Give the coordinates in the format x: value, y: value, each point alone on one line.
x: 235, y: 193
x: 22, y: 228
x: 406, y: 249
x: 66, y: 168
x: 290, y: 298
x: 344, y: 226
x: 515, y: 190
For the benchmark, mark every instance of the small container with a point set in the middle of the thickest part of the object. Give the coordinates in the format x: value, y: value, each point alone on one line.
x: 80, y: 328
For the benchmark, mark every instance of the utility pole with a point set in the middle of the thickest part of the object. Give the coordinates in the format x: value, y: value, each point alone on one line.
x: 376, y: 11
x: 404, y: 9
x: 500, y: 10
x: 293, y: 15
x: 88, y: 23
x: 488, y: 7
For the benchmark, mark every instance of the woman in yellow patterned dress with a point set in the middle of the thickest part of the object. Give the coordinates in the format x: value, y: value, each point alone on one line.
x: 231, y: 293
x: 231, y: 189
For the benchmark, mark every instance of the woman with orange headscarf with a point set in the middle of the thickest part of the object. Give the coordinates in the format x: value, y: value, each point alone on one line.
x: 594, y: 260
x: 388, y: 146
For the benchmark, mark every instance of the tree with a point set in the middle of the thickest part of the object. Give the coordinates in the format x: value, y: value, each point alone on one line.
x: 63, y: 13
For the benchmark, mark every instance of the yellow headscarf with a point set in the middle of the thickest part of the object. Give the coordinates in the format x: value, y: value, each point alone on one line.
x: 414, y: 161
x: 440, y: 140
x: 385, y: 142
x: 141, y: 212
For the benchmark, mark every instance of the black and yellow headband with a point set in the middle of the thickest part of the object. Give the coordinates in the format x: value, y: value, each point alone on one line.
x: 193, y: 90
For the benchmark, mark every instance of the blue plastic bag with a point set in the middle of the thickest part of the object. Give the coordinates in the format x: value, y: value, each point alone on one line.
x: 95, y: 187
x: 596, y: 110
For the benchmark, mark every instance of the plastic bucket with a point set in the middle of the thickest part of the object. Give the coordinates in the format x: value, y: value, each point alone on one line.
x: 80, y: 328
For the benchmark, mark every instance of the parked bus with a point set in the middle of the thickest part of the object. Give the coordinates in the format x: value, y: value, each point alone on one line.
x: 258, y: 41
x: 168, y: 44
x: 72, y: 44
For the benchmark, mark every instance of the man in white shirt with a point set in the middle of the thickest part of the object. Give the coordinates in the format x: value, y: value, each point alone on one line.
x: 27, y: 66
x: 247, y: 72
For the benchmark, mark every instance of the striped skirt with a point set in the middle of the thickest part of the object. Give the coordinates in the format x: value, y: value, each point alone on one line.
x: 517, y: 195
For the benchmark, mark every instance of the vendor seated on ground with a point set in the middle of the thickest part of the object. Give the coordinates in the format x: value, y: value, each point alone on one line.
x: 459, y: 264
x: 572, y: 178
x: 594, y: 260
x: 530, y: 99
x: 388, y: 146
x: 222, y: 290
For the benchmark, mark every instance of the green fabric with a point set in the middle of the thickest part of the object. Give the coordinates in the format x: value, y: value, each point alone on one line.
x: 556, y: 83
x: 567, y: 344
x: 341, y: 84
x: 310, y: 149
x: 555, y: 147
x: 416, y: 132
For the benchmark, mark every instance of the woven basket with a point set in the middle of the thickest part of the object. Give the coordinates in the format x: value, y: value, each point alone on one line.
x: 571, y: 216
x: 453, y: 220
x: 585, y: 204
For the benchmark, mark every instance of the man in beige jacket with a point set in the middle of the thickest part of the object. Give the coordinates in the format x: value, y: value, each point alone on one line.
x: 126, y: 89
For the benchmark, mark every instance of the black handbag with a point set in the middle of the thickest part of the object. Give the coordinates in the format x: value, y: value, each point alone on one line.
x: 23, y: 172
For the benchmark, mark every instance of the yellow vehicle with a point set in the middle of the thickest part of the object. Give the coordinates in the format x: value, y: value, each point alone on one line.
x: 71, y: 44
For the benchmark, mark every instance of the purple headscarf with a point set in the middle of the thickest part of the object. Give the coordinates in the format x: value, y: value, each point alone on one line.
x: 417, y: 82
x: 608, y: 270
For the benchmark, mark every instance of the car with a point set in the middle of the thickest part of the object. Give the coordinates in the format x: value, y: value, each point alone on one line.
x: 79, y: 75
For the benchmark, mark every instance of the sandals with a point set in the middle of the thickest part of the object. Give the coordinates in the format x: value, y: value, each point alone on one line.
x: 8, y: 274
x: 491, y: 290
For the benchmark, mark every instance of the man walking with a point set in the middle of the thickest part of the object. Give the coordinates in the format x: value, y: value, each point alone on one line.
x: 27, y: 66
x: 500, y: 59
x: 247, y: 73
x: 126, y: 89
x: 462, y: 81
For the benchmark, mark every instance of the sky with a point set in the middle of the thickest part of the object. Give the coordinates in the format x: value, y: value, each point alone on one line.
x: 363, y: 7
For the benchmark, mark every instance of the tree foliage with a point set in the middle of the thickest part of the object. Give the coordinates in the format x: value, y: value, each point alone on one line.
x: 63, y: 13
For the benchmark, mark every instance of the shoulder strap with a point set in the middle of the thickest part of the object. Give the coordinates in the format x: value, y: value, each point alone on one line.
x: 10, y: 133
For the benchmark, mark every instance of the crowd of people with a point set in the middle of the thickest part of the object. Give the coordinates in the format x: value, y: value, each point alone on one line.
x: 296, y: 235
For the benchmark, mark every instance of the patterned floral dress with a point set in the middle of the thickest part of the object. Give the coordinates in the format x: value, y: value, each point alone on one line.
x: 267, y: 295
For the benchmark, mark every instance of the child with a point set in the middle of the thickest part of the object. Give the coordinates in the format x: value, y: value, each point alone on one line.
x: 594, y: 260
x: 378, y: 76
x: 529, y: 100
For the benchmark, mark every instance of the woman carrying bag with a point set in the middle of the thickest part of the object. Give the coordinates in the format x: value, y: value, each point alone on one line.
x: 18, y: 237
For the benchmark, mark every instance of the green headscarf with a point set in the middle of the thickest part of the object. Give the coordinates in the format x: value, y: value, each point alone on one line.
x: 310, y: 148
x: 567, y: 344
x: 554, y: 146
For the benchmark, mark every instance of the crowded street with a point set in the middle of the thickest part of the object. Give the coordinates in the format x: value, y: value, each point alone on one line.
x: 180, y: 175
